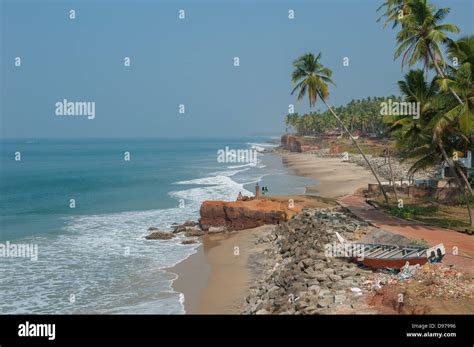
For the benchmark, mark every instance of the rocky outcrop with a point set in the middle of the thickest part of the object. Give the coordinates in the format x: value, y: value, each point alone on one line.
x: 291, y: 143
x: 159, y: 235
x: 298, y: 144
x: 238, y: 215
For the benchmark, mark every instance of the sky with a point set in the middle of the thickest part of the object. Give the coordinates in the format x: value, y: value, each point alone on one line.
x: 186, y: 62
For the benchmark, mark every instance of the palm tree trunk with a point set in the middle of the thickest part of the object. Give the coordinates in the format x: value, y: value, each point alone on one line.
x: 466, y: 182
x: 391, y: 176
x: 458, y: 181
x: 358, y: 148
x: 441, y: 74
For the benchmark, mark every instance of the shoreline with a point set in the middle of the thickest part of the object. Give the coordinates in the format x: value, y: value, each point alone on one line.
x: 217, y: 278
x: 336, y: 178
x: 213, y: 280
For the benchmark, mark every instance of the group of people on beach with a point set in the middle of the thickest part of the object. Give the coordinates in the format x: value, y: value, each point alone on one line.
x: 264, y: 191
x: 257, y: 192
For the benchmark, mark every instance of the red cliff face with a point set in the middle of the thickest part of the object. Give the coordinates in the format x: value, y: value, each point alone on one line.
x: 291, y: 143
x: 237, y: 215
x: 297, y: 144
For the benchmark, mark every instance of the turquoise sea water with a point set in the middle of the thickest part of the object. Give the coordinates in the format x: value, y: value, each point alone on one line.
x: 93, y: 258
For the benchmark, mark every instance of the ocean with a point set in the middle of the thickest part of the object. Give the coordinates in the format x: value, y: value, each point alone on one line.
x: 93, y: 258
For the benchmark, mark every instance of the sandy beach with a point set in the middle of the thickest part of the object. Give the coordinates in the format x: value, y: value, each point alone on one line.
x: 336, y: 178
x: 215, y: 280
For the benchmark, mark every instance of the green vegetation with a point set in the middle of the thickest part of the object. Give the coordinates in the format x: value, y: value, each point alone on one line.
x: 445, y: 125
x: 359, y: 116
x: 410, y: 211
x: 426, y: 210
x: 374, y: 148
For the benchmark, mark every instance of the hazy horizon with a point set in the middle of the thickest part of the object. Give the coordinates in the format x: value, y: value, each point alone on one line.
x: 187, y: 61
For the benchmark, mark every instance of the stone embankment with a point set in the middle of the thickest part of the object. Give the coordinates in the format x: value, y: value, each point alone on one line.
x: 302, y: 276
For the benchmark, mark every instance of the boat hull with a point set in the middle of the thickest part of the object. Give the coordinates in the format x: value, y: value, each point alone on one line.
x: 377, y: 263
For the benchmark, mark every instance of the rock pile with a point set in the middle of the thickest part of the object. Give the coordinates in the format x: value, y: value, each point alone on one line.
x: 301, y: 277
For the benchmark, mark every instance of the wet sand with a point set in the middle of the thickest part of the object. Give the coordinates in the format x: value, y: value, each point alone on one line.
x: 218, y: 277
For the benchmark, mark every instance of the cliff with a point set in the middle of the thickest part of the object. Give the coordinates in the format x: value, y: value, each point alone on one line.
x: 237, y: 215
x: 291, y: 143
x: 297, y: 144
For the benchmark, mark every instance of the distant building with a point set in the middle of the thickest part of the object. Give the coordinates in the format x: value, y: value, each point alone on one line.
x: 466, y: 164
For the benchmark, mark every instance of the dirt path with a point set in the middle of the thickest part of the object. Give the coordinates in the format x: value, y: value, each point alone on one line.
x: 452, y: 240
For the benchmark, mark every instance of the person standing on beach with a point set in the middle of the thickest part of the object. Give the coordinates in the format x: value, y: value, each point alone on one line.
x: 257, y: 191
x: 385, y: 154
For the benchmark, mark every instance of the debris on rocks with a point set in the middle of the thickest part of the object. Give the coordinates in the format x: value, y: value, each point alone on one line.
x: 444, y: 281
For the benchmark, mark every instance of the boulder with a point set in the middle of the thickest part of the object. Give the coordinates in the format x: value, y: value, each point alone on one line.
x: 159, y: 235
x: 179, y: 228
x: 190, y: 223
x: 194, y: 233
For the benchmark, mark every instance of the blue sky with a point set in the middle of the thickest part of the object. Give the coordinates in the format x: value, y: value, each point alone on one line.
x: 186, y: 62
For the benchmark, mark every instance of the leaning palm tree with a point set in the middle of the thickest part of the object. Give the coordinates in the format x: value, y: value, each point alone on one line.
x: 312, y: 78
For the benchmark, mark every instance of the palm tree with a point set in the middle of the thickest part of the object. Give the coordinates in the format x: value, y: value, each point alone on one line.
x: 416, y: 135
x: 458, y: 119
x: 394, y: 9
x: 460, y: 80
x: 412, y: 133
x: 421, y: 36
x: 420, y: 39
x: 312, y: 78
